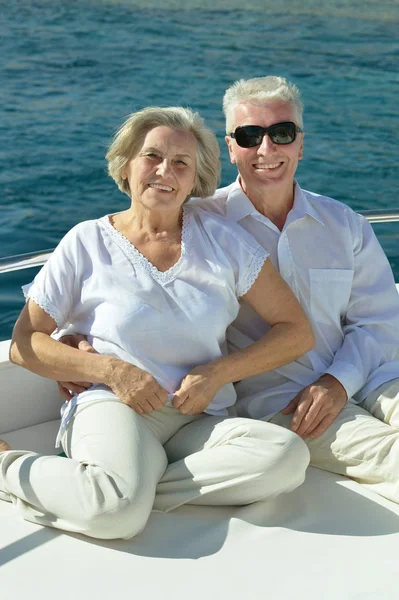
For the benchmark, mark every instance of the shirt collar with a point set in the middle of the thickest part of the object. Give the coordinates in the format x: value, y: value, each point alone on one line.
x: 239, y: 205
x: 302, y: 206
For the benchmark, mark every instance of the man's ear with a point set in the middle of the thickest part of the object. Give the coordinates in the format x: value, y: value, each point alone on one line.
x: 300, y: 154
x: 229, y: 143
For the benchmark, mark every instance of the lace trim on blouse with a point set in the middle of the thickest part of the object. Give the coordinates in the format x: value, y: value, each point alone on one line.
x: 163, y: 277
x: 44, y: 304
x: 253, y: 272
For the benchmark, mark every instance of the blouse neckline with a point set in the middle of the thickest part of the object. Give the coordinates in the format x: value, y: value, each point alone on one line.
x: 138, y: 259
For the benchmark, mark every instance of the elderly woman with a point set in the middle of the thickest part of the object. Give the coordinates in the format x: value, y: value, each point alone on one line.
x: 154, y: 288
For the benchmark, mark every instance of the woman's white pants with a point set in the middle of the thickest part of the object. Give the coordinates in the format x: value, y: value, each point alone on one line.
x: 122, y: 465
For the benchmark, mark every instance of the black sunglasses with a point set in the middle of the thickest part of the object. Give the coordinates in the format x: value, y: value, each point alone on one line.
x: 252, y: 135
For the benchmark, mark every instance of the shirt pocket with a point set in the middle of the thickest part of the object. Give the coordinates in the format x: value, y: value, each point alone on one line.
x: 330, y: 291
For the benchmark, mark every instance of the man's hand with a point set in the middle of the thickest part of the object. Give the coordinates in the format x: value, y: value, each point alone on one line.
x: 137, y: 388
x: 196, y: 391
x: 316, y: 406
x: 68, y: 388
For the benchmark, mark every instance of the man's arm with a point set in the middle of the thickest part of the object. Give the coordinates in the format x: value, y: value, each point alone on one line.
x: 67, y: 389
x: 370, y: 330
x: 371, y: 323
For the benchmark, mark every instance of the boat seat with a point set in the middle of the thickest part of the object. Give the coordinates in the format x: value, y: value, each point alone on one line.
x: 330, y: 539
x: 38, y: 438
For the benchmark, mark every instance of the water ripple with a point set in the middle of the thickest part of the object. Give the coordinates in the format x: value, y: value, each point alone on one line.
x: 72, y: 70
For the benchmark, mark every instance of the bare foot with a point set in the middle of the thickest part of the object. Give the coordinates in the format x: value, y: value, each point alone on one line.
x: 4, y: 446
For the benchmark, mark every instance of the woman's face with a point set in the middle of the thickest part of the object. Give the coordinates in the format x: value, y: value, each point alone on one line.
x: 162, y: 175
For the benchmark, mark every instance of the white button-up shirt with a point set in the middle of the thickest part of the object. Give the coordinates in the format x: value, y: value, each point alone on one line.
x: 332, y: 260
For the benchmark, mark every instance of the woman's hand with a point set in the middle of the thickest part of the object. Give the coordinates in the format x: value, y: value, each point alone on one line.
x: 33, y: 348
x: 197, y: 390
x: 137, y: 388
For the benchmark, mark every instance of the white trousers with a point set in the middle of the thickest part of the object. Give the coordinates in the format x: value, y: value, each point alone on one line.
x: 117, y: 469
x: 363, y: 441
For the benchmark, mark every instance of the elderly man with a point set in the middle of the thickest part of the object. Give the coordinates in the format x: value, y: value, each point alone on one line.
x: 342, y: 398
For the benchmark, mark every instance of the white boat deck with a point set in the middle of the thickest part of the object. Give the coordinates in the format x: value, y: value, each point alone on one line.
x: 329, y: 539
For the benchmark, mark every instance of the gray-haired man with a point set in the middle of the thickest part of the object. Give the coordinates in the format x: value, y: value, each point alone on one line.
x: 343, y: 396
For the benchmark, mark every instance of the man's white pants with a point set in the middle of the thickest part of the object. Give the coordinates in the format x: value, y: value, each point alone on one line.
x: 363, y: 441
x: 118, y: 468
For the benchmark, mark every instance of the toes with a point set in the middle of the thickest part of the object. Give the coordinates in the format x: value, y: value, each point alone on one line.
x: 4, y: 446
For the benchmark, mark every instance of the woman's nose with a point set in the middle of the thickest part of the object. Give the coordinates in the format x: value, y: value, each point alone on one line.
x: 163, y: 167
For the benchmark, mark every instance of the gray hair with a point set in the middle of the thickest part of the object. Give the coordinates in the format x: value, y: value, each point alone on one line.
x: 129, y: 140
x: 259, y: 90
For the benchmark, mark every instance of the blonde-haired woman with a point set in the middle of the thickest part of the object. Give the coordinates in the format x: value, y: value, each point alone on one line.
x: 154, y: 288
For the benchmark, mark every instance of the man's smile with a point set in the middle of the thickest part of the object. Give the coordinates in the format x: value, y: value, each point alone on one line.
x: 269, y: 166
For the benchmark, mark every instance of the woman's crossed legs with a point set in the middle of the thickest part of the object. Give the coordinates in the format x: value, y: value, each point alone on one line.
x: 118, y: 468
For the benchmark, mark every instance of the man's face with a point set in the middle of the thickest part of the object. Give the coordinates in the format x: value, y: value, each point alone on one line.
x: 268, y: 167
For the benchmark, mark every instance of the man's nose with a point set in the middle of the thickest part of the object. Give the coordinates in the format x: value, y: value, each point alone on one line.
x: 266, y: 144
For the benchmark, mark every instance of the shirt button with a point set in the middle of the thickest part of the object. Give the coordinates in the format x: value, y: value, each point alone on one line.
x: 288, y: 273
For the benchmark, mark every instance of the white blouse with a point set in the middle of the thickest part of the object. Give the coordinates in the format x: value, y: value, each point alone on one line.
x: 165, y: 323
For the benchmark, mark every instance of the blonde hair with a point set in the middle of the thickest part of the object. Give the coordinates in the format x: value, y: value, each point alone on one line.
x: 129, y: 140
x: 259, y: 90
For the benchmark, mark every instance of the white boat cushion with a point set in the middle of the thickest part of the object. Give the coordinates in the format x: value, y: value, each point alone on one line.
x: 328, y: 539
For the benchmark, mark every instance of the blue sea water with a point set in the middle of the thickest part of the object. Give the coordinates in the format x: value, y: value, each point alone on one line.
x: 71, y: 70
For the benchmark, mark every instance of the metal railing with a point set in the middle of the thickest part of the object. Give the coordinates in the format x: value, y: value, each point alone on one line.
x: 24, y: 261
x: 380, y: 216
x: 38, y: 258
